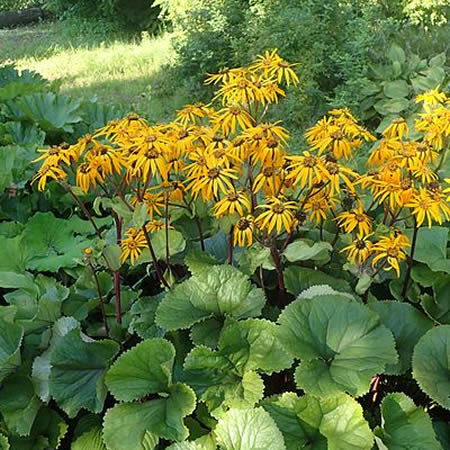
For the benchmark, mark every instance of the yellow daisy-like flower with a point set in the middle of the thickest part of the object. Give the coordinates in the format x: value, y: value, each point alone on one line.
x: 87, y: 175
x: 424, y: 206
x: 421, y: 171
x: 236, y: 201
x: 447, y: 190
x: 390, y: 251
x: 48, y: 172
x: 215, y: 180
x: 305, y: 170
x: 432, y: 97
x: 355, y: 219
x: 359, y: 250
x: 269, y: 179
x: 397, y: 129
x: 318, y: 206
x: 243, y: 231
x: 132, y: 247
x: 157, y: 225
x: 229, y: 117
x: 279, y: 214
x: 192, y: 114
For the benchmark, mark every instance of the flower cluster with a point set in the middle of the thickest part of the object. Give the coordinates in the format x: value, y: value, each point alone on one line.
x: 236, y: 162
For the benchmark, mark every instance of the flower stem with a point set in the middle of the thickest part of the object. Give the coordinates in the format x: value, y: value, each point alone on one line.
x: 100, y: 296
x: 155, y: 261
x: 230, y: 247
x: 279, y: 269
x: 410, y: 262
x: 200, y: 233
x: 116, y: 273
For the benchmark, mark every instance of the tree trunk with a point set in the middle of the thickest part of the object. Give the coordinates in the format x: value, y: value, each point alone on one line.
x: 13, y: 18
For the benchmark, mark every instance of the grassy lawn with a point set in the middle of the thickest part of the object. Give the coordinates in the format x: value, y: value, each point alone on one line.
x: 116, y: 70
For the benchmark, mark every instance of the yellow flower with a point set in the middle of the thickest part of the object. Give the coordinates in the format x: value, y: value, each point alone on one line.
x: 305, y: 170
x: 397, y: 129
x: 215, y: 180
x: 229, y: 117
x: 270, y: 179
x: 447, y: 190
x: 278, y: 214
x: 421, y: 171
x: 318, y: 205
x: 192, y: 114
x: 359, y: 250
x: 48, y: 171
x: 273, y: 65
x: 243, y: 231
x: 87, y: 175
x: 132, y: 247
x: 424, y: 206
x: 355, y: 219
x: 236, y: 201
x: 157, y: 225
x: 432, y: 97
x: 240, y: 89
x: 389, y: 250
x: 335, y: 172
x: 56, y: 155
x: 384, y: 151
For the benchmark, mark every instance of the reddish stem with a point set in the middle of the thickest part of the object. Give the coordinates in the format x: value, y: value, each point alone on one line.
x: 116, y: 274
x: 278, y: 267
x: 230, y: 247
x: 154, y: 259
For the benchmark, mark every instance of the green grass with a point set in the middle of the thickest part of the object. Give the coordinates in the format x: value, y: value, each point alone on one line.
x: 97, y: 62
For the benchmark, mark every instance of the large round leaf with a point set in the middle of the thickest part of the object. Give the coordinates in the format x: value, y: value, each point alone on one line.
x: 248, y: 429
x: 220, y: 290
x: 145, y: 369
x: 431, y: 364
x: 408, y: 325
x: 342, y: 344
x: 404, y: 426
x: 78, y: 370
x: 334, y: 422
x: 10, y: 339
x: 137, y: 426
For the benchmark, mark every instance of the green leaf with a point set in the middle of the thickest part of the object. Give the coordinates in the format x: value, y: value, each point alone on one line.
x: 4, y: 444
x: 408, y: 325
x: 12, y: 280
x: 41, y: 365
x: 206, y: 333
x: 391, y: 105
x: 404, y: 426
x: 396, y: 89
x: 253, y: 344
x: 442, y: 431
x: 88, y: 434
x: 323, y: 289
x: 431, y: 364
x: 147, y: 421
x: 305, y: 249
x: 177, y: 244
x: 11, y: 336
x: 145, y: 369
x: 254, y: 257
x: 396, y: 53
x: 320, y: 423
x: 78, y: 369
x: 53, y: 112
x: 140, y: 215
x: 19, y: 404
x: 298, y: 279
x: 247, y: 429
x: 431, y: 248
x: 143, y: 313
x: 341, y: 343
x: 199, y: 262
x: 222, y: 290
x: 112, y: 254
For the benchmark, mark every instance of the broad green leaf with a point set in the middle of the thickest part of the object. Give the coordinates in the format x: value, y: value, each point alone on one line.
x: 13, y: 255
x: 177, y: 244
x: 396, y: 89
x: 323, y: 289
x: 248, y: 429
x: 19, y: 404
x: 112, y: 254
x: 222, y: 290
x: 305, y: 249
x: 431, y: 248
x: 298, y: 279
x: 341, y: 344
x: 11, y: 336
x: 404, y: 426
x: 12, y: 280
x: 438, y: 305
x: 41, y: 365
x: 88, y: 434
x: 391, y: 106
x: 53, y: 112
x: 254, y: 257
x: 320, y: 423
x: 4, y: 444
x: 206, y: 333
x: 396, y: 53
x: 442, y: 431
x: 78, y: 369
x: 431, y: 364
x: 253, y: 344
x: 199, y: 262
x: 144, y: 422
x: 408, y: 325
x: 47, y: 432
x: 143, y: 313
x: 140, y: 215
x: 145, y: 369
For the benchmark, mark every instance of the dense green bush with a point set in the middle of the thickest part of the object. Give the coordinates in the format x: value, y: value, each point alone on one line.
x: 131, y: 15
x: 13, y: 5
